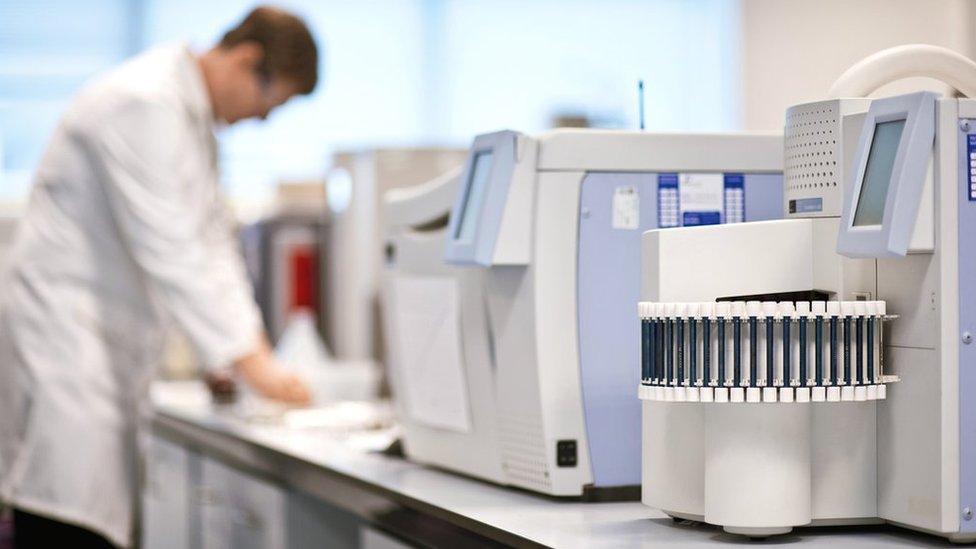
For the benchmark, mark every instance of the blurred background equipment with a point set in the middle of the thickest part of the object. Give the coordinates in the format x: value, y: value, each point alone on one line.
x: 354, y: 188
x: 286, y: 253
x: 8, y: 224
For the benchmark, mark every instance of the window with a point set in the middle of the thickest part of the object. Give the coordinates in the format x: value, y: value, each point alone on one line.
x: 397, y: 72
x: 50, y: 48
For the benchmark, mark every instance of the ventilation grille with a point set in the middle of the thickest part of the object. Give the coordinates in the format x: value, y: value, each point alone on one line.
x: 523, y: 453
x: 812, y: 150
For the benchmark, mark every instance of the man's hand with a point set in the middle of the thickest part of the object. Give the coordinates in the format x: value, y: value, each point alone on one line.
x: 223, y: 388
x: 270, y: 379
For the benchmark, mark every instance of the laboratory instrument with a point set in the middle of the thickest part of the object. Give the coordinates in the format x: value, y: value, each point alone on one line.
x: 815, y: 370
x: 284, y: 253
x: 550, y: 225
x: 439, y: 364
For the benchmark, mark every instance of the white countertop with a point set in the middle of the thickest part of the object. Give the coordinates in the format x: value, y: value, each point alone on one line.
x: 527, y: 517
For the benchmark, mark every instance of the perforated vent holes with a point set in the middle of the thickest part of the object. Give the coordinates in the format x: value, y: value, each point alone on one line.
x: 812, y: 152
x: 523, y: 453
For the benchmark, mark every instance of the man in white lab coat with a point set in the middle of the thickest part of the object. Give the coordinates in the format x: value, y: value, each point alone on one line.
x: 125, y: 234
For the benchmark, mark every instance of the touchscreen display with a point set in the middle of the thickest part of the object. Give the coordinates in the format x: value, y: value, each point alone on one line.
x: 474, y: 196
x: 877, y: 173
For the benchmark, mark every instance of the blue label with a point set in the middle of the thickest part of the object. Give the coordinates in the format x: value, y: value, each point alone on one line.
x: 734, y: 197
x: 971, y: 160
x: 667, y: 180
x: 735, y: 181
x: 668, y: 201
x: 690, y: 219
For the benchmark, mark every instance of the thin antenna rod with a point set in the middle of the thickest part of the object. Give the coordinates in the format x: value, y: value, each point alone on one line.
x: 640, y: 102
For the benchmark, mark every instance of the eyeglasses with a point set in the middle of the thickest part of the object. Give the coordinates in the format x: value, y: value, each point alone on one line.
x: 271, y: 95
x: 265, y: 80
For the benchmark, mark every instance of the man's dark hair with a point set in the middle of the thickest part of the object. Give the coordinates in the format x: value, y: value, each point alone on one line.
x: 290, y: 52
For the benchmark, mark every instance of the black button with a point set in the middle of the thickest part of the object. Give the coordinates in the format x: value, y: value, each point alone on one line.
x: 566, y: 453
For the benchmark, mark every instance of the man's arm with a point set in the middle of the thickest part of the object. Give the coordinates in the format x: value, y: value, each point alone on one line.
x: 140, y: 149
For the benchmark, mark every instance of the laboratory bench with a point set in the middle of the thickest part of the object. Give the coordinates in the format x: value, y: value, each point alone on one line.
x: 216, y: 477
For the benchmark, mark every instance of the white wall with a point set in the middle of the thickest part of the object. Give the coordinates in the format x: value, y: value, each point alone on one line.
x: 513, y: 64
x: 793, y: 50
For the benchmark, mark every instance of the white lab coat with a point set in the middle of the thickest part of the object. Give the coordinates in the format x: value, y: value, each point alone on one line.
x: 125, y: 232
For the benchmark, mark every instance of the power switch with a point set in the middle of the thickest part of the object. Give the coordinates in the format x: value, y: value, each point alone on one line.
x: 566, y: 453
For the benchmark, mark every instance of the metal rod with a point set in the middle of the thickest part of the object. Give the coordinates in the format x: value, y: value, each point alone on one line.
x: 640, y: 103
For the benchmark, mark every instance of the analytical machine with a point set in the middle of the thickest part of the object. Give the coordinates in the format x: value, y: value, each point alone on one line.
x: 438, y: 358
x: 549, y: 226
x: 819, y: 369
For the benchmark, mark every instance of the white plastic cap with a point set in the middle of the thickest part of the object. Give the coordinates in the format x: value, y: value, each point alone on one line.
x: 818, y: 308
x: 871, y: 308
x: 882, y: 307
x: 803, y: 308
x: 860, y: 308
x: 847, y: 308
x: 681, y: 310
x: 707, y: 309
x: 739, y: 309
x: 769, y: 308
x: 723, y: 309
x: 694, y: 311
x: 754, y: 308
x: 787, y: 309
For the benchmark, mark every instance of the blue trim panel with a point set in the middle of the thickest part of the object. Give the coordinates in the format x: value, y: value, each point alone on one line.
x: 608, y: 331
x: 693, y: 219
